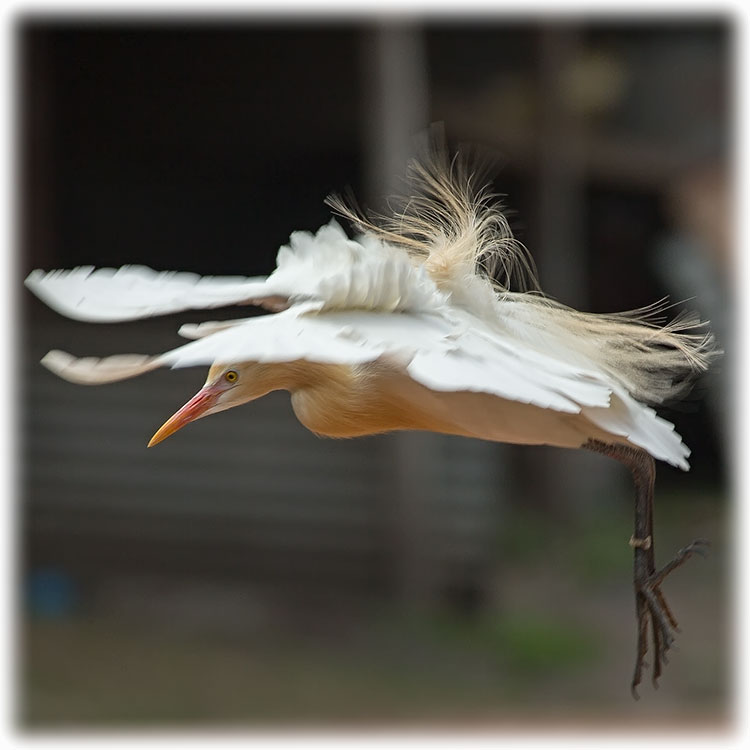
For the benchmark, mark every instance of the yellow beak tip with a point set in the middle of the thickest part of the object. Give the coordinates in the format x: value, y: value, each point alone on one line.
x: 158, y: 437
x: 193, y: 409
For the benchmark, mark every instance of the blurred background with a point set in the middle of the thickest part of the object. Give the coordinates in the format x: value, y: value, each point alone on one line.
x: 247, y: 573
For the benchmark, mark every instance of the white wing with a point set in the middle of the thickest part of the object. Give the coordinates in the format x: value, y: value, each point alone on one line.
x: 327, y: 267
x: 439, y: 351
x: 107, y: 295
x: 284, y: 337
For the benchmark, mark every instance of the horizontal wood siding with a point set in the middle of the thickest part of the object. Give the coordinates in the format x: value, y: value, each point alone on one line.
x: 245, y: 492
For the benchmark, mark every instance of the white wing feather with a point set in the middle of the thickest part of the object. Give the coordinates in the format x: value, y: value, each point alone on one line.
x: 96, y: 370
x: 328, y: 267
x: 208, y: 327
x: 107, y: 295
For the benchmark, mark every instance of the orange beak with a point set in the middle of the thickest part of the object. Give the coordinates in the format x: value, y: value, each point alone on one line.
x: 193, y: 409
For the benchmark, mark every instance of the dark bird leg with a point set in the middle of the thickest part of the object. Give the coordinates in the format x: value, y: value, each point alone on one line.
x: 649, y: 600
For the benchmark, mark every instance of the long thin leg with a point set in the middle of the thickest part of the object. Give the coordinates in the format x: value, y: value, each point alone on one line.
x: 649, y: 600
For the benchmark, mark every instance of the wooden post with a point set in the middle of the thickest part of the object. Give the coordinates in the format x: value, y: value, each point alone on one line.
x: 561, y: 254
x: 395, y: 109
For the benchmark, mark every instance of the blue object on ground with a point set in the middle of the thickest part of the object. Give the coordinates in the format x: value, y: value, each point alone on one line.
x: 50, y: 592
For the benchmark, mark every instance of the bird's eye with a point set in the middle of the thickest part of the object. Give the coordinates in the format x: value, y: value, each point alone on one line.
x: 231, y: 376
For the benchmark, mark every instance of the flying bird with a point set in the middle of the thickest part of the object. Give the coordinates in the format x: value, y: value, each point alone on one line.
x: 430, y: 319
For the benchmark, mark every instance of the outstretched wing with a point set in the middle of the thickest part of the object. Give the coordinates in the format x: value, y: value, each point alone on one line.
x: 284, y: 337
x: 443, y: 353
x: 107, y: 295
x: 327, y: 267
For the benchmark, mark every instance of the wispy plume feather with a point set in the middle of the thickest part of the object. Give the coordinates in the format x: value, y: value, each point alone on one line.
x: 453, y: 224
x: 449, y: 220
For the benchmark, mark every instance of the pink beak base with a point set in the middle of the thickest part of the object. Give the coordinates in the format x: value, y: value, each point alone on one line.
x: 193, y: 409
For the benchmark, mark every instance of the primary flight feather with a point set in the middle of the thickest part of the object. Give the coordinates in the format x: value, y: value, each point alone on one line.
x: 430, y: 319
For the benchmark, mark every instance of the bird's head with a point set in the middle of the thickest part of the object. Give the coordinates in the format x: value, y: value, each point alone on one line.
x: 226, y: 386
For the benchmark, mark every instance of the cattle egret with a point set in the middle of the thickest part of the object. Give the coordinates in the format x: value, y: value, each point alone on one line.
x: 431, y: 319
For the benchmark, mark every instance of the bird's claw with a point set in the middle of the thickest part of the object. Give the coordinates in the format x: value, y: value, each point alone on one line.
x: 699, y: 546
x: 650, y: 603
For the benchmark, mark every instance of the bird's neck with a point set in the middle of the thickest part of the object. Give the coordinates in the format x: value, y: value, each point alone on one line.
x: 303, y: 375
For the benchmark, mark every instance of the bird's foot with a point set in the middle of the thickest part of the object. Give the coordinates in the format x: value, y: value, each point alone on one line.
x: 651, y: 604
